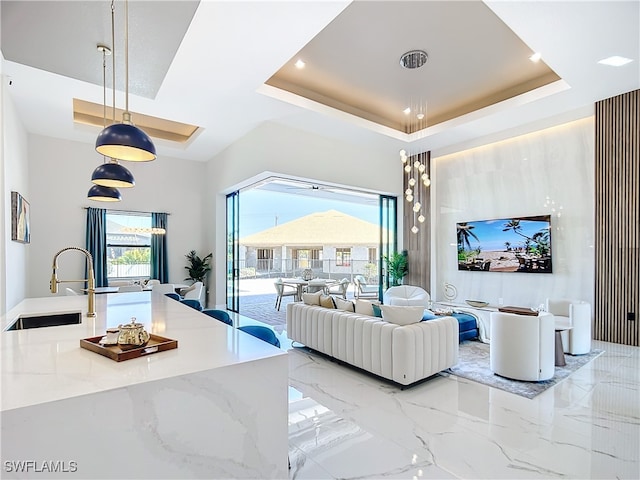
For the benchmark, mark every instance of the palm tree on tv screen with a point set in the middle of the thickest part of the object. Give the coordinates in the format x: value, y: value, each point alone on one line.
x: 464, y: 233
x: 514, y: 225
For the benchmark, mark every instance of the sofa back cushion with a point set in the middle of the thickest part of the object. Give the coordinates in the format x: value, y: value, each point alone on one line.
x: 402, y: 315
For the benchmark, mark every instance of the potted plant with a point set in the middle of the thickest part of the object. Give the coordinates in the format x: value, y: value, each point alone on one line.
x: 198, y: 267
x: 397, y: 267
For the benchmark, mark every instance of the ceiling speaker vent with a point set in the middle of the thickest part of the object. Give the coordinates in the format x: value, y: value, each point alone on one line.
x: 413, y: 59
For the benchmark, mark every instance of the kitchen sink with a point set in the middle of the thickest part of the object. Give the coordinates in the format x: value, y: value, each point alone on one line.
x: 49, y: 320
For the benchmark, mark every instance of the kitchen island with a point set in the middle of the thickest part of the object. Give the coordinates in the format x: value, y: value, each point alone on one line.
x: 215, y: 407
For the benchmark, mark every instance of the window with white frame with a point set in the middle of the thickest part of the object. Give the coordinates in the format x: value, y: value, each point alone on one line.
x: 343, y: 257
x: 128, y: 245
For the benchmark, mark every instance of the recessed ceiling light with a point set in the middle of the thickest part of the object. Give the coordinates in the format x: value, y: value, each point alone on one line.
x: 300, y: 64
x: 615, y: 61
x: 413, y: 59
x: 420, y: 116
x: 535, y: 57
x: 407, y: 111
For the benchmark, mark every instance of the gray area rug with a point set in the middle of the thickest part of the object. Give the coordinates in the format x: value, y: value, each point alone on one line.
x: 473, y: 364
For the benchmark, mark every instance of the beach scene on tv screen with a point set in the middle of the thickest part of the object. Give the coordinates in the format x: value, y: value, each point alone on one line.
x: 519, y: 244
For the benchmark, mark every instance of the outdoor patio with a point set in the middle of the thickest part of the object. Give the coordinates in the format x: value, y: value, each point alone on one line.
x: 258, y: 300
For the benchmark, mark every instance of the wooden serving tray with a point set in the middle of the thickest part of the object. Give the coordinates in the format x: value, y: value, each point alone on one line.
x: 518, y: 310
x: 155, y: 344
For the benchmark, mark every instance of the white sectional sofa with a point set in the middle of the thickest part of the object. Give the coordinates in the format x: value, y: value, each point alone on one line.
x: 404, y: 354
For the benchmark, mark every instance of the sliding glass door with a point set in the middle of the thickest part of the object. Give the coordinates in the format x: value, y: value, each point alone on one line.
x: 367, y: 204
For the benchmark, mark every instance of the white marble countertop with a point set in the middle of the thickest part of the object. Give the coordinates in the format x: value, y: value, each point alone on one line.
x: 41, y: 365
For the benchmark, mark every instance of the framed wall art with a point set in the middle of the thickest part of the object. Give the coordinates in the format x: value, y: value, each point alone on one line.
x: 20, y: 228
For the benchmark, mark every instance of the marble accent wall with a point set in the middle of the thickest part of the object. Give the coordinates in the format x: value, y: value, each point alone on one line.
x: 520, y: 176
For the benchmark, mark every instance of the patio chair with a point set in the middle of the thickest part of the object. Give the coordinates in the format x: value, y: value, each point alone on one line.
x: 363, y: 290
x: 316, y: 285
x: 340, y: 289
x: 283, y: 290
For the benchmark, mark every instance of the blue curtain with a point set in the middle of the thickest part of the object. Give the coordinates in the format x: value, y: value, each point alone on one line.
x: 159, y: 263
x: 97, y: 243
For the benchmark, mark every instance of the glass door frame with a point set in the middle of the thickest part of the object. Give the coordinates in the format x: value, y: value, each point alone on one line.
x: 233, y: 252
x: 388, y: 237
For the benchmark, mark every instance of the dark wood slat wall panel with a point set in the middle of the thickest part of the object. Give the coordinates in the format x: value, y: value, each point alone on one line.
x: 617, y: 219
x: 418, y: 245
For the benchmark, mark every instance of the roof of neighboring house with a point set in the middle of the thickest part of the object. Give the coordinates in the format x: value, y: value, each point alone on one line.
x: 322, y: 228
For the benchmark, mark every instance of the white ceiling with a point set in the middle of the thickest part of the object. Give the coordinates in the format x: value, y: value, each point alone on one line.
x: 208, y: 67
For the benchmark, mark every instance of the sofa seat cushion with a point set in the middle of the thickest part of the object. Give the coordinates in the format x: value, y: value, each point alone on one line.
x: 467, y: 324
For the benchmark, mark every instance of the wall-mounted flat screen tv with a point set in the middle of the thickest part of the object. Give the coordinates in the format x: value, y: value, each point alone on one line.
x: 517, y: 244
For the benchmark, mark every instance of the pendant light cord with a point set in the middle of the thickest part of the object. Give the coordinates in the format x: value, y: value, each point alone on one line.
x: 104, y: 88
x: 113, y: 59
x: 126, y: 54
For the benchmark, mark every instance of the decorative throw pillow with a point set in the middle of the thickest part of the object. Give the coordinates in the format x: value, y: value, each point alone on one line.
x: 376, y: 310
x: 326, y: 301
x: 364, y: 307
x: 429, y: 315
x: 402, y: 315
x: 311, y: 298
x: 342, y: 304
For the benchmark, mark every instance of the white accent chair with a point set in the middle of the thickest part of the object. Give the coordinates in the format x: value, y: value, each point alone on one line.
x: 129, y: 288
x: 71, y: 292
x: 151, y: 282
x: 407, y: 295
x: 194, y: 291
x: 522, y: 346
x: 577, y: 315
x: 163, y: 288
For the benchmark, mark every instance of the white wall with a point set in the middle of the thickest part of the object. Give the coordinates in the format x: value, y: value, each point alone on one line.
x: 514, y: 178
x: 60, y: 173
x: 15, y: 172
x: 276, y: 148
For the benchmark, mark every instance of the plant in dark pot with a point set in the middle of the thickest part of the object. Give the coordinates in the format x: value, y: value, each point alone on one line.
x: 397, y: 267
x: 198, y: 267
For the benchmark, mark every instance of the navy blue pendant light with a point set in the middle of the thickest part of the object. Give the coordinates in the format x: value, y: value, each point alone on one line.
x: 104, y: 194
x: 110, y: 174
x: 113, y: 175
x: 125, y: 141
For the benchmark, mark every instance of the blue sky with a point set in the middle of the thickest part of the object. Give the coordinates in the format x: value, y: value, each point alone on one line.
x: 260, y: 209
x: 492, y: 237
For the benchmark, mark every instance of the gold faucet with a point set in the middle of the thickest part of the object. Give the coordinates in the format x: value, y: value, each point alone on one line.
x: 91, y: 291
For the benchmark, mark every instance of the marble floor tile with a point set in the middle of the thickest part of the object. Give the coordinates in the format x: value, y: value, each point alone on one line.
x: 344, y: 423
